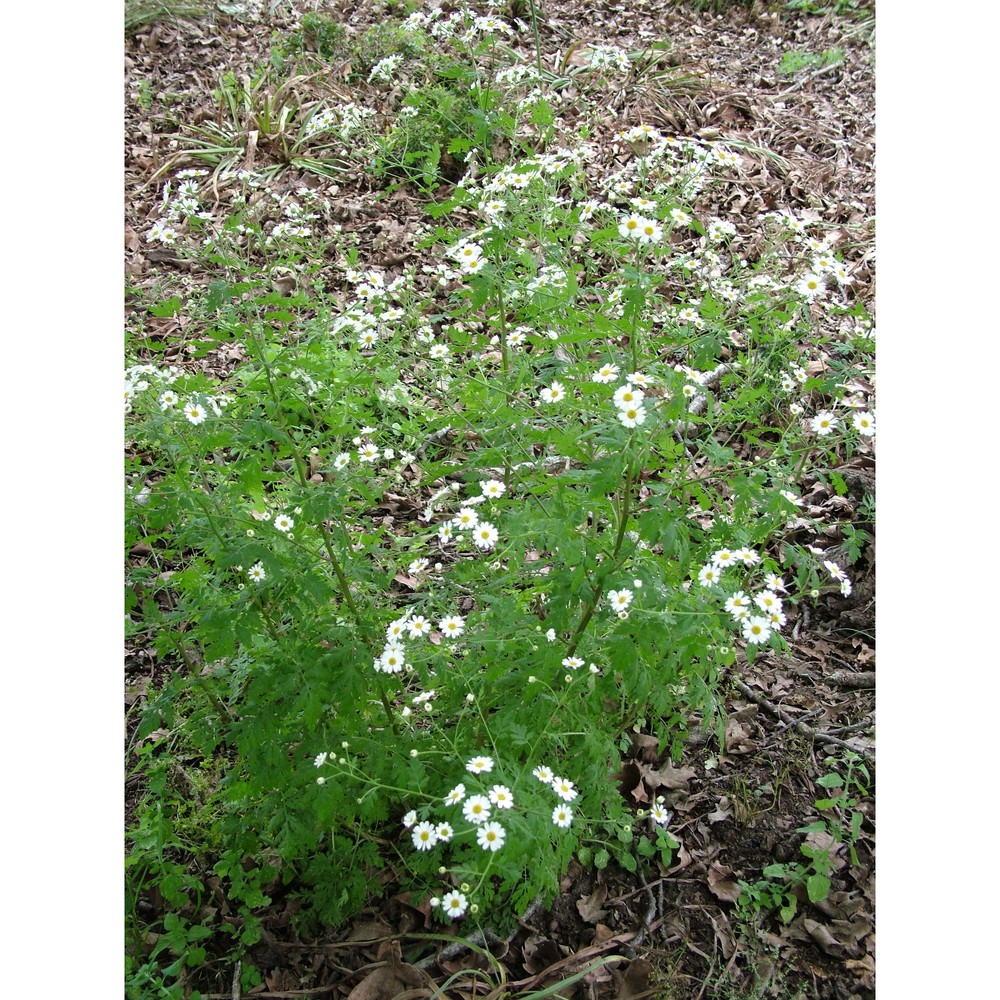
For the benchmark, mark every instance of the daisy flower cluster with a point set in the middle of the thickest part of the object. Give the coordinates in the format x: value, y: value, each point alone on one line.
x: 385, y: 69
x: 481, y: 806
x: 344, y: 119
x: 610, y: 57
x: 518, y: 337
x: 836, y: 573
x: 483, y: 533
x: 684, y: 164
x: 468, y: 255
x: 517, y: 74
x: 412, y: 628
x: 659, y: 812
x: 758, y: 614
x: 826, y: 422
x: 518, y: 175
x: 178, y: 206
x: 367, y: 452
x: 824, y: 271
x: 282, y: 521
x: 297, y: 215
x: 619, y: 601
x: 694, y: 381
x: 375, y: 314
x: 627, y: 398
x: 196, y: 407
x: 637, y: 227
x: 488, y: 24
x: 465, y: 25
x: 141, y: 378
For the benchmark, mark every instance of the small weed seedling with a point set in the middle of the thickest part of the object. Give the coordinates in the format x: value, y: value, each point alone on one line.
x: 841, y: 820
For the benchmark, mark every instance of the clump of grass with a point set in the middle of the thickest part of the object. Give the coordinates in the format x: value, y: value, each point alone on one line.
x: 142, y: 13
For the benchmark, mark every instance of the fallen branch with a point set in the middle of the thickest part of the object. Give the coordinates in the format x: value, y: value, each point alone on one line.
x: 852, y: 679
x: 822, y: 71
x: 799, y: 727
x: 283, y: 994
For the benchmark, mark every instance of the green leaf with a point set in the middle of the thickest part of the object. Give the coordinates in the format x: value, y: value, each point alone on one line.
x: 818, y: 827
x: 219, y: 293
x: 169, y: 307
x: 818, y: 887
x: 857, y: 818
x: 601, y: 859
x: 541, y: 114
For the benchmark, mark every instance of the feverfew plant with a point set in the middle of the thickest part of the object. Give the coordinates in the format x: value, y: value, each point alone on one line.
x: 448, y: 533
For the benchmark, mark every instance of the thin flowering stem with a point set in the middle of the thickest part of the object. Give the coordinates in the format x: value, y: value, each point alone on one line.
x: 302, y: 475
x: 633, y: 337
x: 591, y: 606
x: 198, y: 496
x: 561, y: 697
x: 338, y: 570
x: 538, y: 41
x: 196, y: 676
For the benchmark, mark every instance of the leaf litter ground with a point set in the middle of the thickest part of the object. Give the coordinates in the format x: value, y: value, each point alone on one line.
x: 736, y: 805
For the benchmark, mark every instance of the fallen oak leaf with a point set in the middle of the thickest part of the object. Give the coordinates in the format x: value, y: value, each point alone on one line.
x: 668, y: 776
x: 721, y: 811
x: 629, y: 780
x: 634, y: 982
x: 823, y: 937
x: 590, y: 907
x: 722, y: 884
x: 391, y: 979
x: 539, y: 954
x: 602, y: 933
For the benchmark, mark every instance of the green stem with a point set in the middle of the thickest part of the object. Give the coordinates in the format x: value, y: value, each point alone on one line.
x: 338, y: 569
x: 591, y: 606
x: 200, y: 681
x: 534, y: 26
x: 210, y: 520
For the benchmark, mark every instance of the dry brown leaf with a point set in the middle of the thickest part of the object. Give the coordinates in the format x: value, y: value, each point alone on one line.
x: 634, y: 982
x: 369, y: 930
x: 539, y: 954
x: 590, y: 907
x: 629, y: 780
x: 821, y: 840
x: 820, y: 933
x: 723, y: 933
x: 669, y: 776
x: 722, y: 884
x: 721, y: 811
x: 646, y: 747
x: 864, y: 969
x: 602, y: 933
x: 737, y: 738
x: 392, y: 979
